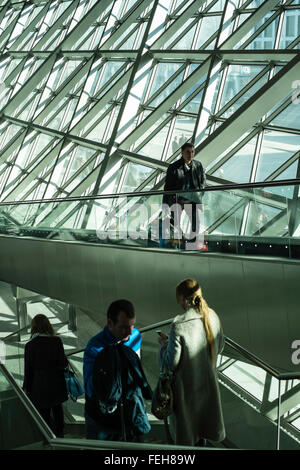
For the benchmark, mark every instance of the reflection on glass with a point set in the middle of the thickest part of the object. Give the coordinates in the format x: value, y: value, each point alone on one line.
x: 260, y: 221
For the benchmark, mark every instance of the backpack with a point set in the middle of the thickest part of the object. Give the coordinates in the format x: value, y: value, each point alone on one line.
x: 107, y: 379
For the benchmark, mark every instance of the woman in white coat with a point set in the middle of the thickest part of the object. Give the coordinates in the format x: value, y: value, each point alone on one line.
x: 191, y: 350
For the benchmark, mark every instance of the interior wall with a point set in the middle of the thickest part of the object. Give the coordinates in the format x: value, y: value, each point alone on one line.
x: 257, y: 299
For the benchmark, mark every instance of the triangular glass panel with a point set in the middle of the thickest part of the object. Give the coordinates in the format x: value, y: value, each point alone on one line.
x: 209, y: 26
x: 8, y: 135
x: 238, y: 168
x: 135, y: 175
x: 184, y: 29
x: 155, y: 147
x: 290, y: 28
x: 238, y: 77
x: 193, y: 105
x: 259, y: 215
x: 290, y: 173
x: 232, y: 225
x: 216, y: 205
x: 218, y: 6
x: 276, y: 148
x: 163, y: 73
x: 289, y: 117
x: 266, y: 39
x: 187, y: 40
x: 98, y: 131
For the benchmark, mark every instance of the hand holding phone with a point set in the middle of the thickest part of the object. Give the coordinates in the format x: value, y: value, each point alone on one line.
x: 161, y: 337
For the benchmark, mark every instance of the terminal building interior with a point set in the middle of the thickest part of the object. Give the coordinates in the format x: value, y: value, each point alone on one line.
x: 97, y: 97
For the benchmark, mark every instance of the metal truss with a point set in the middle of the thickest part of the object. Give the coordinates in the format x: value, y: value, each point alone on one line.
x: 122, y: 83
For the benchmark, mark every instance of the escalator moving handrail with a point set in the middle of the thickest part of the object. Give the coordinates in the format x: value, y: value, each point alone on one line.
x: 247, y: 354
x: 226, y: 187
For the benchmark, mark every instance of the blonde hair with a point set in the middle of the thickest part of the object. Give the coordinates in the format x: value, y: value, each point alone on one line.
x: 191, y: 293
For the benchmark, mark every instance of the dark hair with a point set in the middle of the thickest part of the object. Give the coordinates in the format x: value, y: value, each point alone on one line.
x: 40, y: 324
x: 186, y: 145
x: 118, y: 306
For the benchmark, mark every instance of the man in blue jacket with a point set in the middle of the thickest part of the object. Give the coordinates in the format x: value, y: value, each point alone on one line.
x: 121, y: 319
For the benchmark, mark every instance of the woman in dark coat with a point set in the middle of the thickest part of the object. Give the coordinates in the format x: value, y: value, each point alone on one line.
x: 44, y: 380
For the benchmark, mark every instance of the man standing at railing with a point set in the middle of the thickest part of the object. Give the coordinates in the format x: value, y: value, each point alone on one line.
x: 108, y: 422
x: 184, y: 174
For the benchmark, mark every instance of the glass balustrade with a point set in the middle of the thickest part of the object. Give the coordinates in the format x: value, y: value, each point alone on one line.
x: 241, y: 220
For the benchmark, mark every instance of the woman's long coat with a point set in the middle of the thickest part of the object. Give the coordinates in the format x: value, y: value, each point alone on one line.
x: 44, y: 380
x: 198, y: 411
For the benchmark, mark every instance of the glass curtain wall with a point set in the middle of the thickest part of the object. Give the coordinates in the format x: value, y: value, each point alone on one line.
x: 97, y: 97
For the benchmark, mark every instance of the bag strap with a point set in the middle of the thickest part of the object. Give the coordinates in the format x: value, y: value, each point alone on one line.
x: 169, y: 437
x: 123, y: 361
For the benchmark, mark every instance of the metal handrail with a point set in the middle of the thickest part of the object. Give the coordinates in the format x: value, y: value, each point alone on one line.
x: 224, y: 187
x: 55, y: 442
x: 261, y: 363
x: 247, y: 354
x: 141, y: 330
x: 25, y: 328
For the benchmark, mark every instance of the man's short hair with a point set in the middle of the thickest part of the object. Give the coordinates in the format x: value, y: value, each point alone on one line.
x: 118, y: 306
x: 186, y: 145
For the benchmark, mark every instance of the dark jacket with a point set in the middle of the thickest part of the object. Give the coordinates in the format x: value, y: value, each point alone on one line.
x: 44, y: 380
x: 176, y: 179
x: 135, y: 388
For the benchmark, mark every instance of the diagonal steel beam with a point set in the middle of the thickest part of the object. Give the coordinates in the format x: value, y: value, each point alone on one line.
x: 34, y: 172
x: 94, y: 13
x: 3, y: 11
x: 80, y: 71
x: 139, y: 63
x: 180, y: 91
x: 249, y: 24
x: 105, y: 99
x: 139, y: 7
x: 249, y: 113
x: 56, y: 25
x: 11, y: 146
x: 289, y: 400
x: 7, y: 32
x: 31, y: 26
x: 177, y: 24
x: 29, y: 85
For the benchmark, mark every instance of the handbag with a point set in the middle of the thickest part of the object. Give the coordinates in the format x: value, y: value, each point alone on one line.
x: 163, y: 399
x: 74, y: 387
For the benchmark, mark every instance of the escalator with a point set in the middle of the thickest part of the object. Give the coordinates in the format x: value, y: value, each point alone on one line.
x: 88, y: 251
x: 260, y: 406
